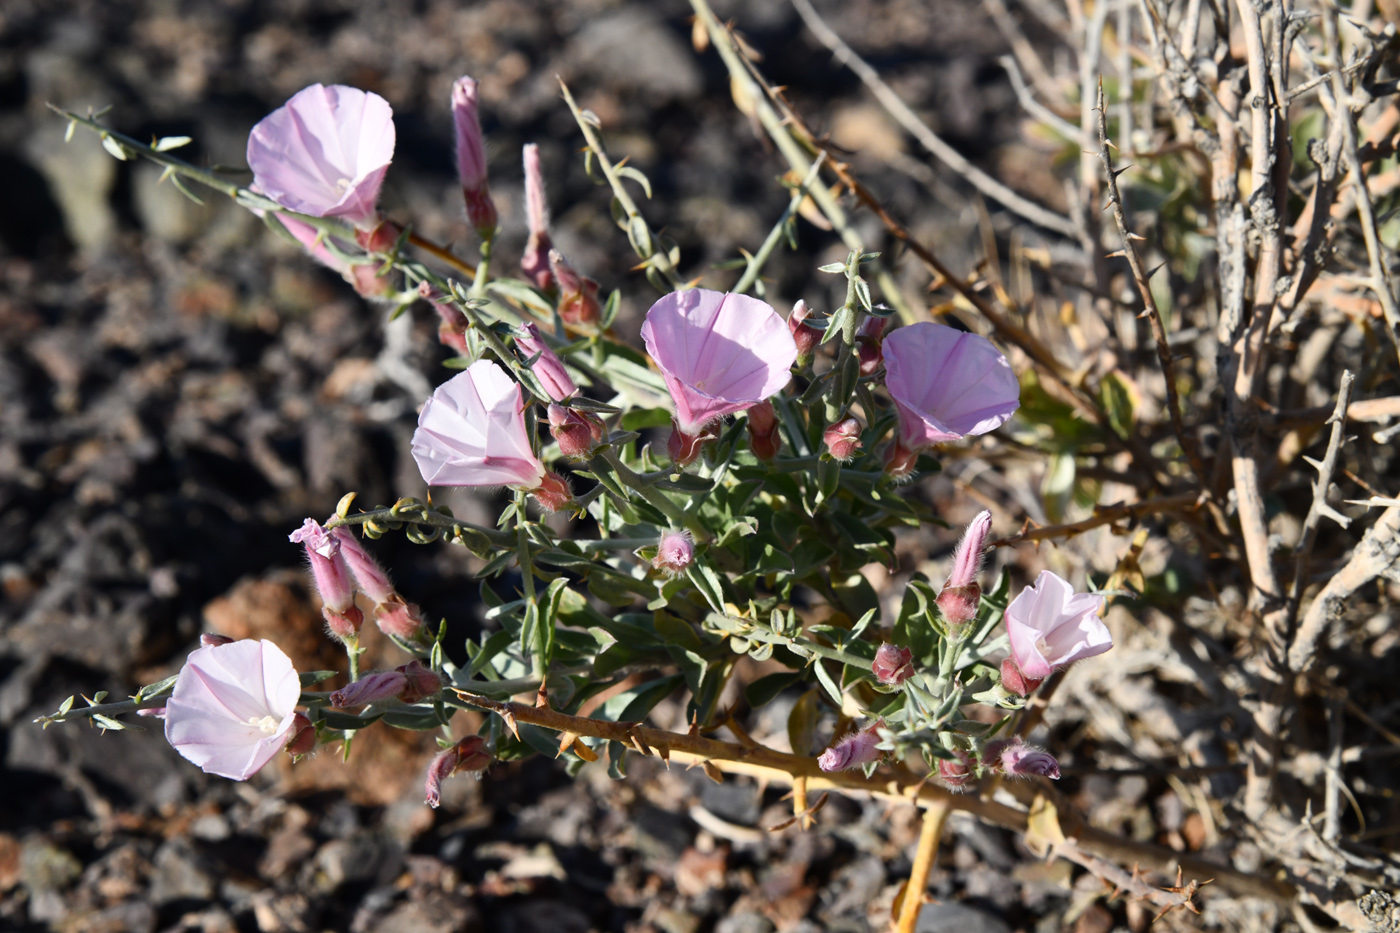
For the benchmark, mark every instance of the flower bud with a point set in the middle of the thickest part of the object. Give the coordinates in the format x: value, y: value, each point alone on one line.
x: 381, y: 238
x: 471, y: 158
x: 423, y: 682
x: 574, y: 431
x: 333, y: 578
x: 900, y: 460
x: 399, y: 619
x: 578, y: 296
x: 452, y: 331
x: 547, y: 367
x: 535, y: 260
x: 208, y: 641
x: 344, y: 626
x: 381, y: 685
x: 807, y: 337
x: 893, y: 665
x: 956, y: 774
x: 368, y: 573
x: 368, y: 282
x: 553, y: 493
x: 1014, y: 758
x: 301, y: 739
x: 842, y: 439
x: 959, y: 603
x: 868, y: 344
x: 674, y: 552
x: 1015, y: 681
x: 852, y: 751
x: 684, y: 449
x: 470, y: 754
x: 764, y: 440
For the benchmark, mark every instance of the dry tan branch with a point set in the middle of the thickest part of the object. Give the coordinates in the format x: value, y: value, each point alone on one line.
x: 1105, y: 515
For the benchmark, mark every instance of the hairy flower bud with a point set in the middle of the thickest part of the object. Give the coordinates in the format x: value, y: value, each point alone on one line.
x: 842, y: 439
x: 1015, y: 681
x: 961, y: 594
x: 452, y: 329
x: 553, y: 493
x: 574, y: 431
x: 470, y: 754
x: 868, y: 345
x: 399, y: 619
x: 368, y: 573
x: 900, y: 460
x: 471, y: 158
x: 806, y: 336
x: 302, y: 737
x: 684, y: 449
x: 422, y: 682
x: 380, y: 239
x: 380, y: 685
x: 956, y: 773
x: 674, y: 552
x: 1014, y: 758
x: 854, y: 750
x: 893, y: 665
x: 333, y: 578
x: 578, y: 296
x: 764, y: 439
x: 547, y: 367
x: 535, y: 260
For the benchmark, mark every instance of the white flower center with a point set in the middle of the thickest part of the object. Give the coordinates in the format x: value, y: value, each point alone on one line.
x: 1043, y: 647
x: 344, y: 184
x: 267, y: 725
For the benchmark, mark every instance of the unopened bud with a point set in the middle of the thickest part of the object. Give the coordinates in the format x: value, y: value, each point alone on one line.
x: 1014, y: 758
x: 869, y: 351
x: 959, y: 603
x: 535, y: 260
x: 842, y: 439
x: 368, y: 282
x: 553, y: 493
x: 452, y: 330
x: 764, y: 440
x: 684, y: 449
x: 471, y: 158
x: 956, y: 773
x: 900, y: 460
x: 381, y: 239
x: 573, y: 431
x: 1015, y: 681
x: 470, y: 754
x: 381, y: 685
x: 209, y: 641
x: 301, y: 739
x: 893, y: 665
x: 547, y: 366
x: 344, y: 626
x: 423, y: 682
x: 368, y: 573
x: 674, y: 552
x: 807, y: 337
x: 852, y: 751
x: 578, y: 296
x: 399, y: 619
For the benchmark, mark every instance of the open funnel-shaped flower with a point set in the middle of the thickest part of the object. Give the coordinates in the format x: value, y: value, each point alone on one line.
x: 1051, y: 626
x: 472, y: 432
x: 325, y: 152
x: 720, y: 353
x: 947, y: 384
x: 232, y: 707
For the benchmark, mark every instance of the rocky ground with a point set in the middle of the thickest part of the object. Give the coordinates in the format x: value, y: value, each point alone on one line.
x: 179, y: 388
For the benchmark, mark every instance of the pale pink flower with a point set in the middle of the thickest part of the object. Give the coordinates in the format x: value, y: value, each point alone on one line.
x: 946, y: 384
x: 472, y: 432
x: 325, y: 152
x: 674, y: 552
x: 534, y: 262
x: 471, y: 157
x: 719, y: 353
x: 962, y: 593
x: 233, y: 707
x: 1051, y: 626
x: 854, y: 750
x: 548, y: 368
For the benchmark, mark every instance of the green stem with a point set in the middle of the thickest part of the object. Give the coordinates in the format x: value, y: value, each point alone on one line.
x: 483, y: 268
x: 538, y: 663
x: 426, y: 516
x: 803, y: 645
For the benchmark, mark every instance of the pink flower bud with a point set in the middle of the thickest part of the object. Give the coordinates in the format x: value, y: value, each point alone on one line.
x: 208, y: 641
x: 1015, y: 758
x: 302, y: 737
x: 399, y: 619
x: 328, y: 567
x: 548, y: 368
x: 842, y: 439
x: 684, y: 449
x: 368, y: 573
x: 535, y: 261
x: 868, y: 349
x: 381, y: 685
x: 471, y: 158
x: 423, y: 683
x: 956, y: 774
x: 900, y: 460
x: 1016, y: 682
x: 470, y: 754
x: 452, y: 331
x: 893, y: 665
x: 853, y: 751
x: 804, y: 335
x: 553, y: 493
x: 381, y: 239
x: 578, y: 296
x: 961, y: 594
x: 344, y: 626
x: 573, y: 430
x: 1051, y: 626
x: 764, y: 439
x: 674, y: 552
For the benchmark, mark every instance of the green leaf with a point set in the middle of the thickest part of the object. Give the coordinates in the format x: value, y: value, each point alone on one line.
x: 707, y: 582
x: 414, y: 718
x: 627, y: 171
x: 348, y: 721
x: 167, y: 143
x: 802, y: 723
x: 829, y: 685
x: 634, y: 705
x: 1121, y: 402
x: 312, y: 678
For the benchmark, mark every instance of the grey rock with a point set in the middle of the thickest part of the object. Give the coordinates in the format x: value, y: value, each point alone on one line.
x: 364, y: 857
x: 945, y: 917
x: 633, y: 50
x: 180, y: 873
x: 745, y: 922
x: 80, y: 174
x: 661, y: 835
x: 163, y: 210
x: 735, y: 800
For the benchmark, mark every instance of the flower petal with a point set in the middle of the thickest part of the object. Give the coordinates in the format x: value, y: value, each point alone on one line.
x: 472, y: 432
